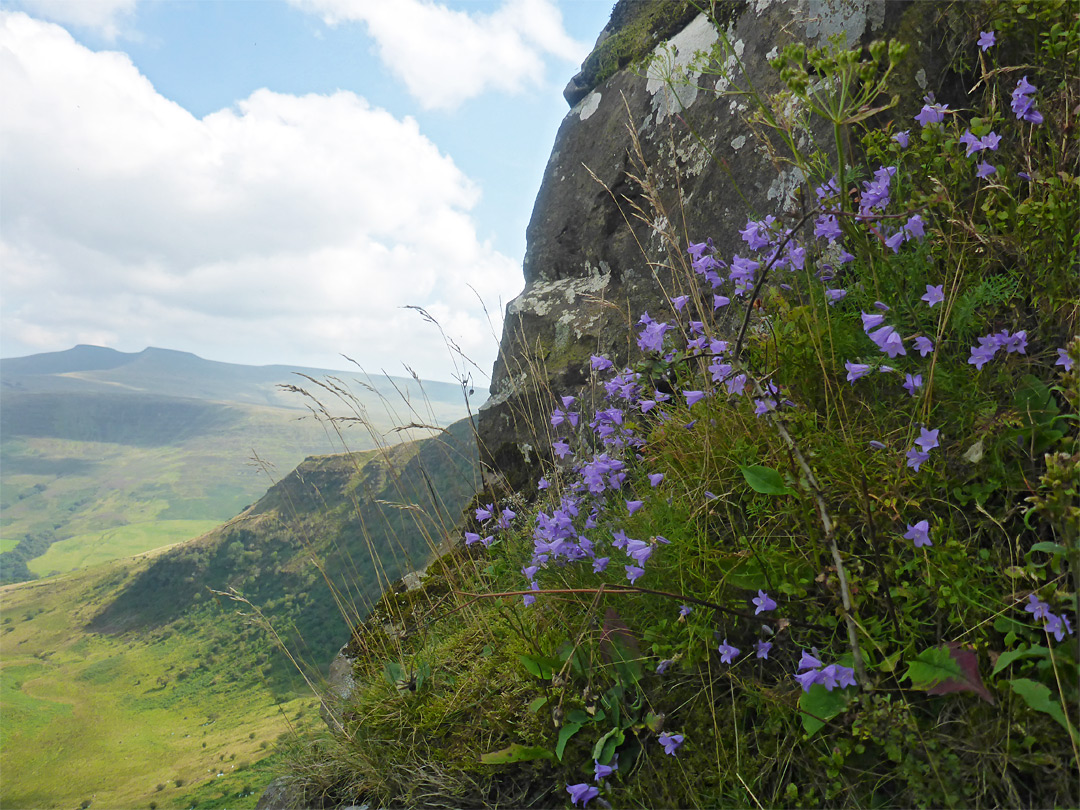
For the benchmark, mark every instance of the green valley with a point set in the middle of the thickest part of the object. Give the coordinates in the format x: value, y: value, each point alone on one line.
x: 75, y: 704
x: 107, y: 454
x: 191, y: 664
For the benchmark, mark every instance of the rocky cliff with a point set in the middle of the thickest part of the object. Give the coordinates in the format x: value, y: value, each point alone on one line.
x: 561, y: 659
x: 594, y: 247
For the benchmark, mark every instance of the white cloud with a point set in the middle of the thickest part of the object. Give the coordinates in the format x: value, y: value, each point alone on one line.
x: 103, y: 16
x: 446, y: 57
x: 286, y: 229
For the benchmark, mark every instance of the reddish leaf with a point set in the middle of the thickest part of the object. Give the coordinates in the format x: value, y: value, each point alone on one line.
x: 968, y: 662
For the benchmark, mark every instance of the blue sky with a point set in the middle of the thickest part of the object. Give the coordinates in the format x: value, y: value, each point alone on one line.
x: 272, y: 181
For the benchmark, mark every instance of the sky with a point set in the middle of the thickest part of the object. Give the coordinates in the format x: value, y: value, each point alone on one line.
x: 277, y: 181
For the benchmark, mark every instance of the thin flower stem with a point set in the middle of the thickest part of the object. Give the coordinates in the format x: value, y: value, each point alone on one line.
x: 889, y: 606
x: 761, y: 282
x: 830, y: 537
x: 630, y: 589
x: 1061, y: 697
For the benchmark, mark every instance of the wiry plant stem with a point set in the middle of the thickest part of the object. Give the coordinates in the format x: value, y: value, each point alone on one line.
x: 830, y: 537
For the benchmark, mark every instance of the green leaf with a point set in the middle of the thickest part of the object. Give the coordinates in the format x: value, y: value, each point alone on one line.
x: 765, y: 480
x: 578, y: 716
x: 1003, y: 624
x: 569, y: 652
x: 742, y: 572
x: 889, y: 663
x: 1050, y: 547
x: 423, y: 672
x: 393, y: 672
x: 969, y: 681
x: 1007, y: 658
x: 515, y: 753
x: 1038, y: 697
x: 654, y: 722
x: 565, y: 733
x: 605, y: 747
x: 531, y: 665
x: 819, y: 705
x: 931, y: 667
x: 538, y: 666
x: 538, y: 704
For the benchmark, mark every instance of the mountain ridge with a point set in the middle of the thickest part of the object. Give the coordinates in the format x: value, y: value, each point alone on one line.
x: 171, y: 372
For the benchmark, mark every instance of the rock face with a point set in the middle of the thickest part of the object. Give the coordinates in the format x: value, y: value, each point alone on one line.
x: 595, y: 257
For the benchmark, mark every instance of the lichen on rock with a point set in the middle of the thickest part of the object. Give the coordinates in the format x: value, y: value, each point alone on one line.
x: 703, y: 161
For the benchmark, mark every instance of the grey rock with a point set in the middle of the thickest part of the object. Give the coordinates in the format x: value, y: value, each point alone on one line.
x: 282, y: 794
x: 340, y: 686
x: 595, y: 258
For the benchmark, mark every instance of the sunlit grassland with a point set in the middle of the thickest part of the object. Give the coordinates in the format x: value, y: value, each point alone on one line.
x: 86, y: 550
x: 64, y: 488
x: 181, y: 702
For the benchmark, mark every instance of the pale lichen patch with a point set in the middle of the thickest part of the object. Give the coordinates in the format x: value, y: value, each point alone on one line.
x: 671, y: 84
x: 589, y: 105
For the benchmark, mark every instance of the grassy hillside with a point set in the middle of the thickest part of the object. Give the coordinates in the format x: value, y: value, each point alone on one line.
x: 118, y: 450
x: 341, y: 527
x: 184, y: 702
x: 108, y: 475
x: 148, y: 658
x: 828, y: 558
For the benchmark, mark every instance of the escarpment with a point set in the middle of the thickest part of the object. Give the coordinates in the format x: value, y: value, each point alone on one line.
x: 595, y: 250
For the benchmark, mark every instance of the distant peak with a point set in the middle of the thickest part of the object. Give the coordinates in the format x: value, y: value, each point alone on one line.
x: 169, y: 352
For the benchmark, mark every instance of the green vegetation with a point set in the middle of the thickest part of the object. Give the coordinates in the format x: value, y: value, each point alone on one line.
x: 166, y: 703
x: 639, y: 28
x: 830, y: 559
x: 85, y: 550
x: 57, y: 489
x: 96, y: 440
x: 191, y: 661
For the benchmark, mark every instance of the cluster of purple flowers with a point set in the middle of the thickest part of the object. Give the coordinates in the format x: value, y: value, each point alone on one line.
x: 975, y: 145
x: 1053, y: 623
x: 582, y: 792
x: 990, y: 344
x: 875, y: 194
x: 765, y: 237
x: 889, y: 341
x: 651, y: 338
x: 931, y: 113
x: 1023, y: 106
x: 559, y: 536
x: 490, y: 519
x: 671, y: 742
x: 885, y: 337
x: 920, y: 451
x: 596, y: 490
x: 811, y: 670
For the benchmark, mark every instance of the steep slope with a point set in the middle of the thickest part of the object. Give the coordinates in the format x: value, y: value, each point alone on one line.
x: 149, y: 656
x: 595, y: 248
x: 807, y: 533
x: 340, y: 527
